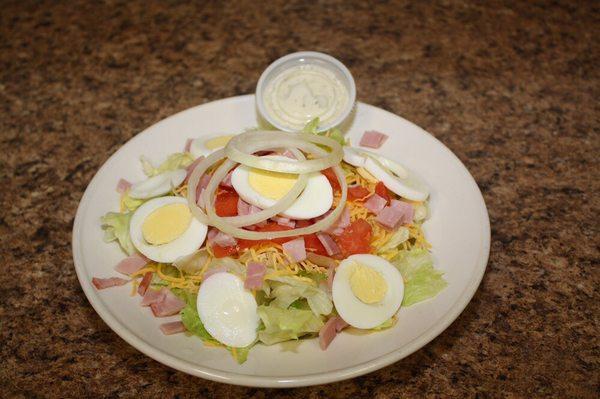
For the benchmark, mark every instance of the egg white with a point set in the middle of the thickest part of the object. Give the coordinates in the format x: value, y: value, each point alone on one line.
x: 157, y: 185
x: 183, y: 245
x: 198, y: 147
x: 357, y: 313
x: 315, y: 200
x: 227, y: 310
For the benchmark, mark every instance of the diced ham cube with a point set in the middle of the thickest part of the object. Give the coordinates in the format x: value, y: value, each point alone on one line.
x: 375, y: 203
x: 169, y: 306
x: 295, y: 249
x: 373, y: 139
x: 255, y: 274
x: 174, y: 327
x: 103, y: 283
x: 131, y: 264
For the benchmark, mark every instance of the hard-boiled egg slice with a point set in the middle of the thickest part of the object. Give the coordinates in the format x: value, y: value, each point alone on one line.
x: 206, y: 145
x: 263, y: 188
x: 163, y: 229
x: 157, y: 185
x: 395, y: 176
x: 227, y: 310
x: 367, y: 290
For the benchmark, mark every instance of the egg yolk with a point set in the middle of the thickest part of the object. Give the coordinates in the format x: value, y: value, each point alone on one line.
x: 166, y: 224
x: 272, y: 185
x: 217, y: 142
x: 367, y: 284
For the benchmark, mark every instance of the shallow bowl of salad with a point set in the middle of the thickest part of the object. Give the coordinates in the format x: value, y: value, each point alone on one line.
x: 279, y: 259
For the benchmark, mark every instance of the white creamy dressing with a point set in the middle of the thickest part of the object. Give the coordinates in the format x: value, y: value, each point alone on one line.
x: 297, y: 95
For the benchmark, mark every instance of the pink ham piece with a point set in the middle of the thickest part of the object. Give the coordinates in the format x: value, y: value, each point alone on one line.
x: 174, y: 327
x: 169, y: 306
x: 284, y: 221
x: 373, y: 139
x: 227, y: 180
x: 330, y: 330
x: 103, y: 283
x: 339, y: 225
x: 375, y: 203
x: 131, y: 264
x: 122, y: 186
x: 330, y: 245
x: 408, y: 211
x: 152, y: 296
x: 224, y: 240
x: 396, y: 213
x: 255, y: 274
x: 330, y: 276
x: 190, y: 168
x: 188, y: 145
x: 243, y: 207
x: 146, y: 280
x: 295, y: 249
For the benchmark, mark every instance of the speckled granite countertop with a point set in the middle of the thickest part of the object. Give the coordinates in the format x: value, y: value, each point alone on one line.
x: 511, y: 87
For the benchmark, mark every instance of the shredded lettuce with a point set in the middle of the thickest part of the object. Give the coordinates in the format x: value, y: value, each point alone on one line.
x: 131, y: 204
x: 312, y: 126
x: 421, y: 280
x: 191, y: 321
x: 334, y: 133
x: 116, y: 227
x: 286, y: 324
x: 396, y: 239
x: 391, y: 322
x: 178, y: 160
x: 286, y: 290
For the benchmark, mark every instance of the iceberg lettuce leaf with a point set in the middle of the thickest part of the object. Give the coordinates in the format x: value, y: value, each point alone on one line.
x: 286, y: 324
x: 178, y: 160
x: 116, y: 227
x: 421, y: 280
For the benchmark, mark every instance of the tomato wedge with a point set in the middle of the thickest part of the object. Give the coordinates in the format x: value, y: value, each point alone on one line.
x: 313, y: 244
x: 357, y: 192
x: 382, y: 191
x: 356, y: 238
x: 221, y: 252
x: 226, y: 203
x: 330, y: 175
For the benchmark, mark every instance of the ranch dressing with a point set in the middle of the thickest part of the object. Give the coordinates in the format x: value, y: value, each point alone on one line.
x: 299, y: 94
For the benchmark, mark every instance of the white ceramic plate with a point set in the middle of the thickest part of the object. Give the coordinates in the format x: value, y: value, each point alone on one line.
x: 458, y: 229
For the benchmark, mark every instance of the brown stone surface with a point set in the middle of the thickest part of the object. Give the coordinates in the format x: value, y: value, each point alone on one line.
x: 511, y: 87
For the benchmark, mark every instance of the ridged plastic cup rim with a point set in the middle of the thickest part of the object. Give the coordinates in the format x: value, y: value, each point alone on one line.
x: 328, y: 60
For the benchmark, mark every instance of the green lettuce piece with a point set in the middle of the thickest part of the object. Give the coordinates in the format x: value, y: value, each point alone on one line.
x: 396, y: 239
x: 191, y: 321
x: 386, y: 324
x: 421, y: 280
x: 131, y: 203
x: 286, y: 290
x: 286, y: 324
x: 178, y: 160
x: 334, y: 133
x: 116, y: 227
x: 312, y: 126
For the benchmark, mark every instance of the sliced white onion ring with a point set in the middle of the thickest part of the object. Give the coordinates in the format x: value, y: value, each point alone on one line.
x: 354, y: 157
x: 263, y: 140
x: 241, y: 148
x: 410, y: 187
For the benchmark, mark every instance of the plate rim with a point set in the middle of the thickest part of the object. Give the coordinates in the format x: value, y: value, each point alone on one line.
x: 280, y: 382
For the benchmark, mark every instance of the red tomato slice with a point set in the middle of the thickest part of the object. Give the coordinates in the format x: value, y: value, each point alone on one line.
x: 226, y: 203
x: 356, y: 238
x: 357, y: 192
x: 330, y: 175
x: 221, y: 252
x: 382, y: 191
x: 313, y: 244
